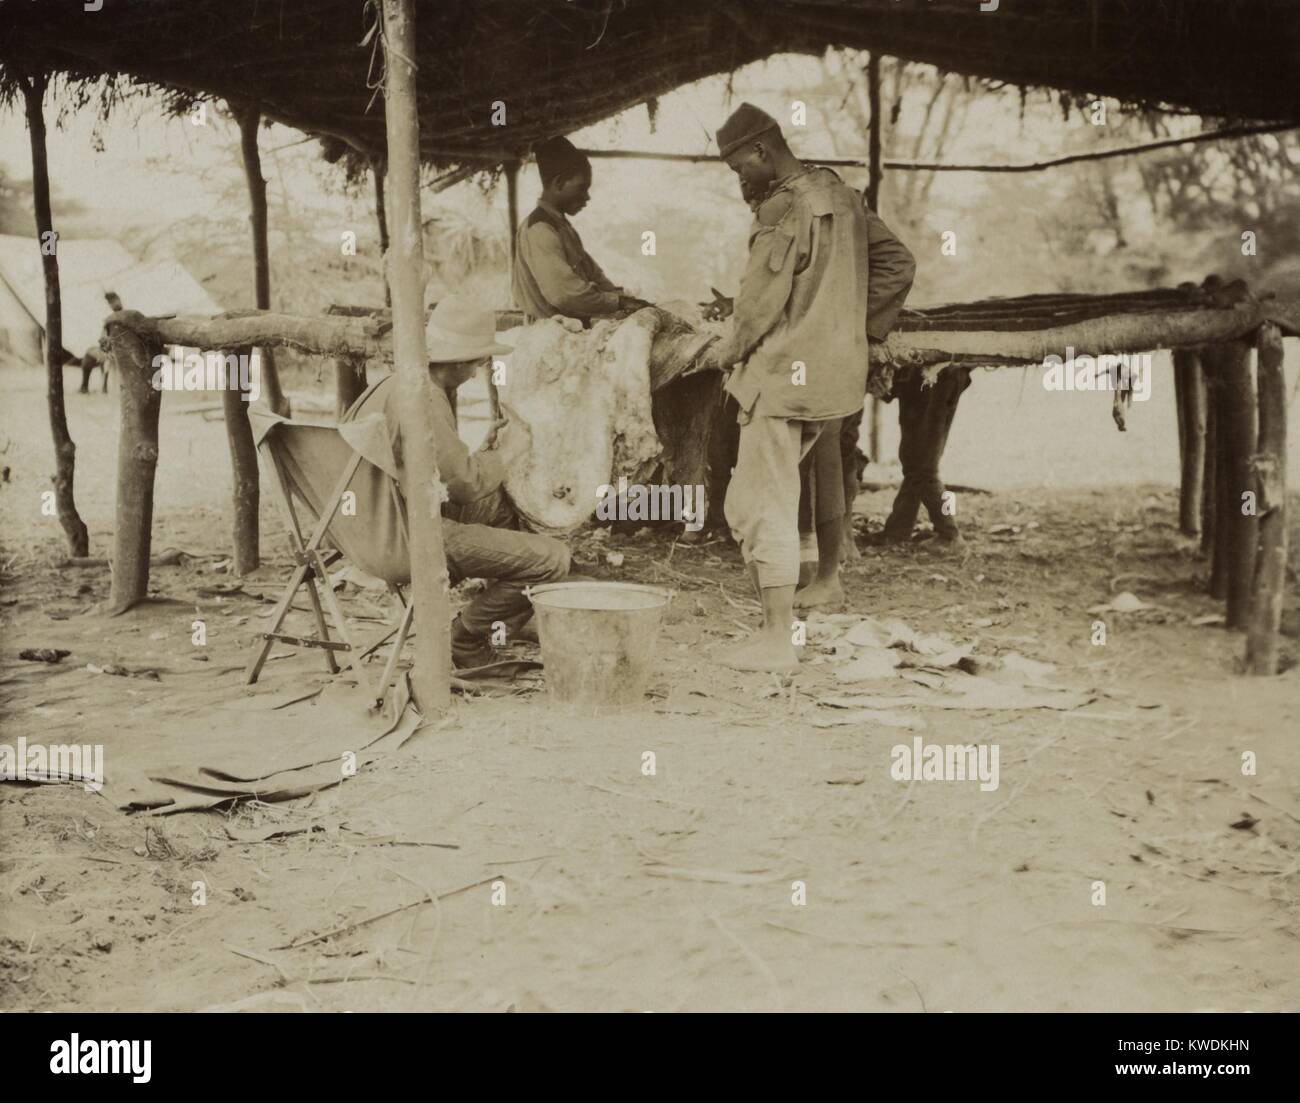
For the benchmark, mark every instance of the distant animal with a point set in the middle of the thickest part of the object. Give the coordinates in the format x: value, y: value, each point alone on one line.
x: 97, y: 356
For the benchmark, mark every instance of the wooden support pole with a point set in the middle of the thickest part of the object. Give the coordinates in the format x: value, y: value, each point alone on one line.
x: 381, y: 217
x: 1209, y: 481
x: 512, y: 207
x: 1220, y: 569
x: 512, y: 227
x: 137, y: 461
x: 249, y: 118
x: 1189, y: 394
x: 874, y: 144
x: 244, y: 491
x: 875, y: 178
x: 65, y: 452
x: 423, y: 490
x: 1270, y: 476
x: 1237, y: 440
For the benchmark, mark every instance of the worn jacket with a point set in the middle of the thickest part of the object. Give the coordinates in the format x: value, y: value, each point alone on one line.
x: 554, y: 274
x: 890, y: 271
x: 799, y: 330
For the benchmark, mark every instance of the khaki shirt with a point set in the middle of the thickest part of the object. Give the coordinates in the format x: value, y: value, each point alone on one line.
x: 380, y: 518
x: 467, y: 475
x: 799, y: 330
x: 554, y: 274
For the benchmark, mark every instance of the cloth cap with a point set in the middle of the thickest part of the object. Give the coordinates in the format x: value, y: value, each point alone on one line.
x: 559, y: 157
x: 459, y: 329
x: 746, y: 123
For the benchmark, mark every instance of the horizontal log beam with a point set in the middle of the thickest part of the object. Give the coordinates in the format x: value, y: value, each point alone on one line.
x: 1116, y: 333
x: 328, y: 336
x: 366, y: 335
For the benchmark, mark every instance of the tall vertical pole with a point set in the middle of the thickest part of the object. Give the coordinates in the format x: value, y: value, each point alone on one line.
x: 423, y: 490
x: 874, y: 168
x: 381, y: 216
x: 875, y: 172
x: 65, y: 452
x: 1189, y: 394
x: 512, y: 226
x: 249, y: 116
x: 512, y: 207
x: 1270, y: 470
x: 1237, y: 435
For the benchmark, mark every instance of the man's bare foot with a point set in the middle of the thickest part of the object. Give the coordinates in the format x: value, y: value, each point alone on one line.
x: 761, y: 651
x: 820, y: 593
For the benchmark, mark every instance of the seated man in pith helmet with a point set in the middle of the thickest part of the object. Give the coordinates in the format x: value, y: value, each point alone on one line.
x: 553, y: 273
x: 479, y: 529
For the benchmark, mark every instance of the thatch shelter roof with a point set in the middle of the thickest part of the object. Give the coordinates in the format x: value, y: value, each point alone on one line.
x: 558, y: 65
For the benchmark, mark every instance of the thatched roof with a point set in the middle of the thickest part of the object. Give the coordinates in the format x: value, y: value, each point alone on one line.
x: 558, y: 65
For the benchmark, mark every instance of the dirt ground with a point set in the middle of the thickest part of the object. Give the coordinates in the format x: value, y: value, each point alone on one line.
x: 675, y: 891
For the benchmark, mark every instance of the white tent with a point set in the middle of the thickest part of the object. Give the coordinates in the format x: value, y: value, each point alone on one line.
x: 87, y: 270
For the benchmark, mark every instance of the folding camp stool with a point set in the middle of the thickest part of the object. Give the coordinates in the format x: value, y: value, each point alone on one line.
x: 311, y: 465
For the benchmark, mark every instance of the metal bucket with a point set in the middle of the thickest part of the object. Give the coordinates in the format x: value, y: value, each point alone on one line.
x: 598, y: 639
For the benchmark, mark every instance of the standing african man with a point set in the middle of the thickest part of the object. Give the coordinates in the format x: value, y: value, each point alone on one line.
x: 798, y: 343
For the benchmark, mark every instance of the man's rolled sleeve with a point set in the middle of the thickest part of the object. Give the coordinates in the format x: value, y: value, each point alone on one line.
x: 890, y: 271
x: 467, y: 475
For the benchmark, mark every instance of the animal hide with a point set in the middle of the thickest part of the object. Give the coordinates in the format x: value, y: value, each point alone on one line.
x: 583, y: 396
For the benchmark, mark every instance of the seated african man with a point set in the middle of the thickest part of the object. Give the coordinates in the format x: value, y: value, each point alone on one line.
x: 553, y: 273
x: 480, y: 530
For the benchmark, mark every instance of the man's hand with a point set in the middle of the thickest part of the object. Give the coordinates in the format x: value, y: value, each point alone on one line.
x: 718, y: 354
x: 721, y: 308
x: 512, y: 443
x: 490, y: 440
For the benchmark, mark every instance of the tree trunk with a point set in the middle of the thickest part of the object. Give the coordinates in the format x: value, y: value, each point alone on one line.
x: 381, y: 216
x: 1270, y: 473
x: 137, y: 461
x: 431, y: 681
x: 1189, y: 391
x: 349, y: 382
x: 244, y: 478
x: 65, y: 452
x: 1237, y: 433
x: 249, y: 117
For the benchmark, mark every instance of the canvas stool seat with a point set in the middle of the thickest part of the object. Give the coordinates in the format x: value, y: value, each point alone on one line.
x: 311, y: 465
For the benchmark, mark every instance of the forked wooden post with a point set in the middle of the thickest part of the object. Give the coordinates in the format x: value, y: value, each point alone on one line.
x: 1270, y: 476
x: 1189, y: 392
x: 245, y: 495
x: 1209, y: 482
x: 249, y: 117
x: 137, y: 461
x: 431, y: 677
x: 1237, y: 439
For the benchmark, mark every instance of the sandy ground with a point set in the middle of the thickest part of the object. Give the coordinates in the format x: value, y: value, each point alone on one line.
x: 675, y: 891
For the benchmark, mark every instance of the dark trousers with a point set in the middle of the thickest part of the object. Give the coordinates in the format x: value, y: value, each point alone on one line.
x: 481, y: 541
x: 925, y: 416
